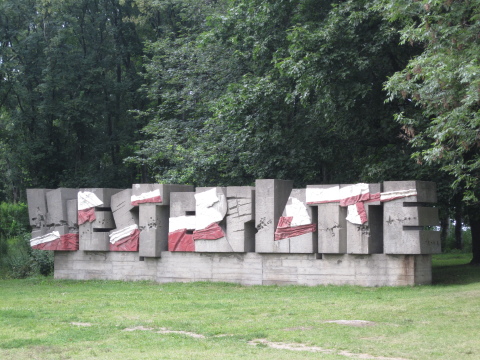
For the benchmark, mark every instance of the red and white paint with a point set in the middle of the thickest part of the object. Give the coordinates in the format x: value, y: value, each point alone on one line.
x: 398, y: 194
x: 210, y: 209
x: 125, y: 239
x: 178, y: 237
x: 354, y: 198
x: 147, y: 197
x: 87, y: 201
x: 55, y: 241
x: 297, y: 221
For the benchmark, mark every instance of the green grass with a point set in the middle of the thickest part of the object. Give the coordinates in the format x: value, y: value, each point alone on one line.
x: 42, y: 318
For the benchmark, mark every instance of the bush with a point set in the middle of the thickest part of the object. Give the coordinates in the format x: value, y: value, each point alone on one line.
x: 17, y: 259
x: 466, y: 240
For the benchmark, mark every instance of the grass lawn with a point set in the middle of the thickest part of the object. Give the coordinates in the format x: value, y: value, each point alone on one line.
x: 42, y: 318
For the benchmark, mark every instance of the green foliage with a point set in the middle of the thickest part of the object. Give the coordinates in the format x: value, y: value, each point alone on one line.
x: 450, y: 246
x: 17, y: 258
x: 440, y: 87
x: 276, y: 89
x: 13, y: 223
x: 55, y: 319
x: 70, y: 72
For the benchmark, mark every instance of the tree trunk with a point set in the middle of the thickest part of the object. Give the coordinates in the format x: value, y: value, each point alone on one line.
x: 444, y: 225
x: 474, y: 218
x: 458, y: 226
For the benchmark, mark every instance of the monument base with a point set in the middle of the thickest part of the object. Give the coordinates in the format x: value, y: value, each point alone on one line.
x: 247, y: 268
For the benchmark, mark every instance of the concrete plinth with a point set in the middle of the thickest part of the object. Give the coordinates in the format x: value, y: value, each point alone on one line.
x: 248, y: 268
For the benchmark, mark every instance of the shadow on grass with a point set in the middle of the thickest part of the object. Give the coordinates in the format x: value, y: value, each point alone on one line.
x: 450, y: 269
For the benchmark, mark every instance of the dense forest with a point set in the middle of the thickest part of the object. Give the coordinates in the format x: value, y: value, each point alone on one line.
x: 106, y: 93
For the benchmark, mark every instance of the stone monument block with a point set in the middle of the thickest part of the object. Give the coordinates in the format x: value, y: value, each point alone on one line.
x: 57, y: 205
x: 271, y: 197
x: 124, y: 213
x: 37, y: 207
x: 156, y: 193
x: 297, y: 228
x: 72, y: 215
x: 241, y: 218
x: 153, y: 201
x: 407, y: 220
x: 332, y: 223
x: 96, y: 241
x: 94, y: 208
x: 181, y: 222
x: 153, y: 229
x: 210, y: 225
x: 366, y: 236
x: 103, y: 194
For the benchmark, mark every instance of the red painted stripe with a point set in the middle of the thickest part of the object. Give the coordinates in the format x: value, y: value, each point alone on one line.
x: 67, y: 242
x: 179, y: 240
x: 362, y: 212
x: 285, y: 230
x: 128, y: 243
x: 211, y: 232
x: 86, y: 215
x: 155, y: 199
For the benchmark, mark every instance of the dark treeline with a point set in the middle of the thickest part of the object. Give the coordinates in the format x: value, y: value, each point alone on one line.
x: 105, y: 93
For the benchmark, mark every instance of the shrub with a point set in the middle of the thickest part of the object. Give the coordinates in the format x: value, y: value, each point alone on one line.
x: 17, y: 258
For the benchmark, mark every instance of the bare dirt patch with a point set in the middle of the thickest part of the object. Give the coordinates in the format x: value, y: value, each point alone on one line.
x: 299, y: 328
x: 316, y: 349
x: 357, y: 323
x: 194, y: 335
x: 165, y: 331
x: 138, y: 328
x: 80, y: 324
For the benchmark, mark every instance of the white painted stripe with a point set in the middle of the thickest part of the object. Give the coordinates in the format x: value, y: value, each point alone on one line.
x: 324, y: 194
x: 54, y: 235
x: 122, y: 233
x: 353, y: 190
x: 210, y: 207
x: 87, y: 200
x: 146, y: 195
x: 388, y: 195
x: 206, y: 198
x: 352, y: 215
x: 298, y: 211
x: 181, y: 222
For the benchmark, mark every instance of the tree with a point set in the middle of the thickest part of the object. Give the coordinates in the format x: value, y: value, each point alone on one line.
x: 441, y: 91
x: 69, y: 74
x: 294, y: 90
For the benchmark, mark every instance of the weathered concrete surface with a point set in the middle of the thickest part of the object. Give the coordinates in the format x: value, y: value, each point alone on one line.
x: 301, y: 214
x: 94, y: 236
x: 248, y: 268
x: 332, y: 226
x: 271, y: 197
x: 163, y: 190
x: 72, y: 215
x: 405, y: 220
x: 57, y: 205
x: 241, y: 218
x: 206, y: 215
x: 367, y: 238
x: 153, y: 229
x: 37, y: 207
x: 123, y: 212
